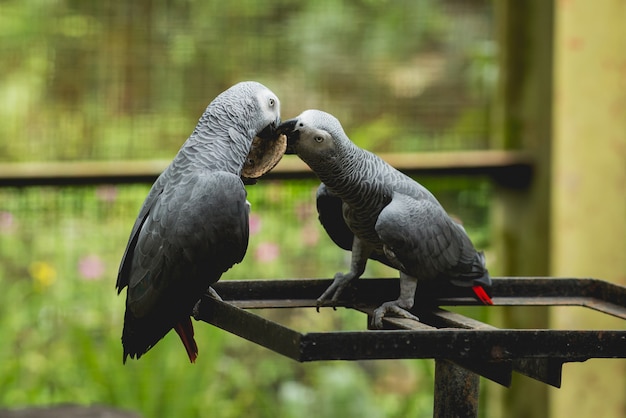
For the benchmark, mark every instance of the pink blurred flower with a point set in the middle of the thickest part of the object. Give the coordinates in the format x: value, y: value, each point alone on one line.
x: 304, y: 211
x: 255, y: 223
x: 267, y: 252
x: 91, y: 267
x: 107, y: 193
x: 7, y: 222
x: 310, y: 234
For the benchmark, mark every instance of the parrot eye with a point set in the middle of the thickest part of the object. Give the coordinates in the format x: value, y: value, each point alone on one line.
x: 272, y: 102
x: 318, y: 139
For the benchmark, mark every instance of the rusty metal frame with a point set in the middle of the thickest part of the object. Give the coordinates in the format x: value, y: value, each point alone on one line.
x: 462, y: 347
x: 439, y: 334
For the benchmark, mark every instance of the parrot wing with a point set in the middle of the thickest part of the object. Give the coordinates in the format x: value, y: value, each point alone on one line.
x: 191, y: 234
x: 330, y: 214
x: 123, y: 274
x: 426, y: 242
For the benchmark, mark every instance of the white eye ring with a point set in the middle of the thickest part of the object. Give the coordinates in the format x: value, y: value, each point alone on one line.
x: 272, y: 102
x: 318, y: 139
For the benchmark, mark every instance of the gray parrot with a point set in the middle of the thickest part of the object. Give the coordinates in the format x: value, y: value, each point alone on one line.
x: 372, y: 209
x: 193, y: 225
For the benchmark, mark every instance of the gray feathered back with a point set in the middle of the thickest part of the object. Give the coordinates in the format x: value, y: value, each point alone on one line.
x: 221, y: 140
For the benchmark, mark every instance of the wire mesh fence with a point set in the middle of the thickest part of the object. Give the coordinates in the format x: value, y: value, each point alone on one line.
x: 74, y: 233
x: 85, y: 80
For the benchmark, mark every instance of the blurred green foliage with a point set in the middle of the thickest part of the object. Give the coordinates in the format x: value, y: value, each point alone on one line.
x: 128, y: 80
x: 115, y: 80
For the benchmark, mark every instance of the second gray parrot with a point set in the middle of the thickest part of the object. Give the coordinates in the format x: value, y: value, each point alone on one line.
x: 377, y: 212
x: 193, y: 225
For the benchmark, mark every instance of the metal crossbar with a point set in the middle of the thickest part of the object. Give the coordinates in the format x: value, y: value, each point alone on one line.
x: 462, y: 347
x: 509, y: 168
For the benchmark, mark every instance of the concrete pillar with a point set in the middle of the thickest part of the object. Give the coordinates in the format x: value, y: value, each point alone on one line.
x: 588, y: 184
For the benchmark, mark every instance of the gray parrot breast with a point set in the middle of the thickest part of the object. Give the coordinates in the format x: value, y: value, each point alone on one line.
x: 363, y: 193
x: 361, y: 209
x: 362, y: 223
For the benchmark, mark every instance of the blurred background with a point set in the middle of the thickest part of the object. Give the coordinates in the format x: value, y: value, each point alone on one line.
x: 536, y: 82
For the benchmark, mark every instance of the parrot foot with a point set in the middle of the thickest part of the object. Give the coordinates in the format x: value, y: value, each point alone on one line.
x: 330, y: 297
x: 395, y: 308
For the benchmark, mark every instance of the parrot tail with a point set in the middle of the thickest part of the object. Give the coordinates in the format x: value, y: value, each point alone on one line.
x: 485, y: 280
x: 184, y: 329
x: 482, y: 295
x: 477, y: 278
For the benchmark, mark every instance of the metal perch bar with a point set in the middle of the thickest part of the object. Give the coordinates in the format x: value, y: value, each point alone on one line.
x: 461, y: 346
x: 512, y: 168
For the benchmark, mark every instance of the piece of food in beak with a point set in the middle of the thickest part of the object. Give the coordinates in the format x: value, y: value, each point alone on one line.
x: 264, y: 154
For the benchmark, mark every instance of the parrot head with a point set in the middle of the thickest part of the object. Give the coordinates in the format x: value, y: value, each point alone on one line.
x: 257, y: 104
x: 262, y: 115
x: 313, y: 135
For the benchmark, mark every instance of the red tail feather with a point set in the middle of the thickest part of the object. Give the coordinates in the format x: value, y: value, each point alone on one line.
x: 184, y: 330
x: 482, y: 295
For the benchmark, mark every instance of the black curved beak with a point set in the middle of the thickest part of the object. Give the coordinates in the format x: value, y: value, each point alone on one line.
x: 288, y: 128
x: 270, y: 132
